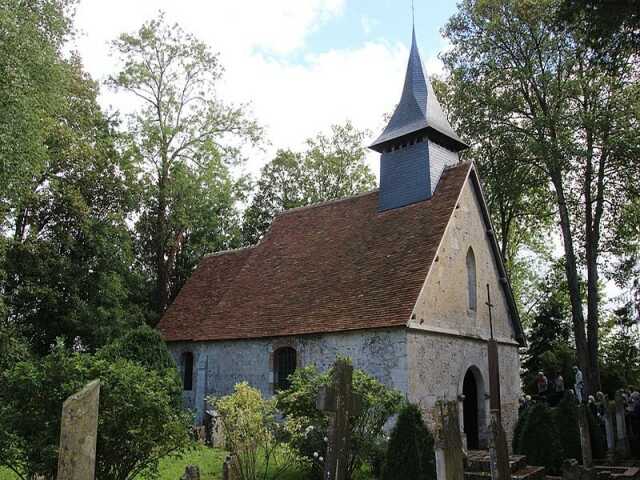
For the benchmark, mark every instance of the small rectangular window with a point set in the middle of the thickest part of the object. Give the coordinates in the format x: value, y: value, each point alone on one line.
x: 187, y: 365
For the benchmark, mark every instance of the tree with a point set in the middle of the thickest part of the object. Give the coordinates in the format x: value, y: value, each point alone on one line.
x: 607, y: 28
x: 331, y: 167
x: 576, y: 114
x: 620, y: 352
x: 32, y: 71
x: 66, y: 252
x: 140, y: 421
x: 186, y: 138
x: 549, y: 337
x: 410, y: 452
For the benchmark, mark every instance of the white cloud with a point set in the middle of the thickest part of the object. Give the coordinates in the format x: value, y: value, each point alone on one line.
x: 293, y: 100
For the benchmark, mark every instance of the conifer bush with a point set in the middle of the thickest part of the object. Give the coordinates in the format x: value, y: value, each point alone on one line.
x: 540, y: 440
x: 410, y: 453
x: 566, y: 420
x: 598, y: 439
x: 517, y: 431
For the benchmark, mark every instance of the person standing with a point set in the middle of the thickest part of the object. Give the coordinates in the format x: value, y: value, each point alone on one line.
x: 559, y: 383
x: 579, y: 385
x: 542, y: 383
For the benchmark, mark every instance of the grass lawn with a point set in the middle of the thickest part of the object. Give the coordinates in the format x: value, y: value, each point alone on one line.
x: 210, y: 462
x: 208, y: 459
x: 6, y: 474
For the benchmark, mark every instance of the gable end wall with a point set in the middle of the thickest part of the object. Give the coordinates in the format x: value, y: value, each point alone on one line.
x: 446, y: 338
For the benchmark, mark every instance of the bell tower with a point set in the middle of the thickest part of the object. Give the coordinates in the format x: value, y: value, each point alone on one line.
x: 417, y: 144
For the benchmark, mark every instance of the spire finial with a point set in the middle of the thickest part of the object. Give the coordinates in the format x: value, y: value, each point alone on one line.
x: 413, y: 17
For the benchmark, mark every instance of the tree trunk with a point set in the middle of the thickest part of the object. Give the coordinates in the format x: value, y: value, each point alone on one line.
x: 161, y: 240
x: 593, y: 299
x: 573, y: 280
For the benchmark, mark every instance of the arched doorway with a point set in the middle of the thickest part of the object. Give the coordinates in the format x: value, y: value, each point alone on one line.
x: 470, y: 410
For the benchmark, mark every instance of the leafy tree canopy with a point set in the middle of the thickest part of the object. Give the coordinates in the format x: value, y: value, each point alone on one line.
x: 331, y: 167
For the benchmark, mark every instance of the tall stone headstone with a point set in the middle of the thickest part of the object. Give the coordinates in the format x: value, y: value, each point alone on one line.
x: 498, y: 449
x: 585, y: 436
x: 79, y: 434
x: 448, y: 442
x: 622, y: 440
x: 339, y: 403
x: 609, y: 425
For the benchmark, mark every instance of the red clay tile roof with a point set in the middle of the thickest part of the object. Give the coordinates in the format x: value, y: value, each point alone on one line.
x: 331, y: 267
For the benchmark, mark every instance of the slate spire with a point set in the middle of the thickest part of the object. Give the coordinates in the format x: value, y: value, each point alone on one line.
x: 418, y: 110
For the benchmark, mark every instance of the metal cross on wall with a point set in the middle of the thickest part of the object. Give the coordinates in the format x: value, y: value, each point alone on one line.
x: 494, y: 366
x: 490, y: 305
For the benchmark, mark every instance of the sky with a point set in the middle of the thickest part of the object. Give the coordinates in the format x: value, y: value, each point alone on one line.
x: 300, y: 65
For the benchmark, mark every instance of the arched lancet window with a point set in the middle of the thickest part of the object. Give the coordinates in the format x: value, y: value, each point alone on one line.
x: 472, y: 293
x: 284, y: 364
x: 187, y: 371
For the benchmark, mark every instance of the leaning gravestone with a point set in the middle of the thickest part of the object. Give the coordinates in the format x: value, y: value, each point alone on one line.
x: 448, y: 442
x: 78, y: 434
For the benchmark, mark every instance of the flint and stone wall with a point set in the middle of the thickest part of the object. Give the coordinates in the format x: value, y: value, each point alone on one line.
x: 438, y: 364
x: 218, y: 366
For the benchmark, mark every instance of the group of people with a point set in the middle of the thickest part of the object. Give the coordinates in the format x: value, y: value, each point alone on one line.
x: 553, y: 391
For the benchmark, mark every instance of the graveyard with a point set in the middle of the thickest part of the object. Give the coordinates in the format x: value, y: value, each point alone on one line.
x: 319, y: 240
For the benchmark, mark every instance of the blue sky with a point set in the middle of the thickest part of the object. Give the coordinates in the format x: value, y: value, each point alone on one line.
x: 389, y: 21
x: 299, y: 65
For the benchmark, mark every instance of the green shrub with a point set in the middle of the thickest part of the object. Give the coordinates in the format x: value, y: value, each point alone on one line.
x: 253, y: 435
x: 410, y: 452
x: 139, y: 422
x: 540, y: 440
x: 298, y: 405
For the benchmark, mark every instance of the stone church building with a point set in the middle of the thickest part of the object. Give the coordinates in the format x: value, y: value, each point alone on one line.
x: 396, y: 279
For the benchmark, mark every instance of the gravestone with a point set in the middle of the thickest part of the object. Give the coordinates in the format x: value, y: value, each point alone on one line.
x: 191, y: 472
x: 228, y: 470
x: 609, y: 426
x: 448, y: 442
x: 585, y: 436
x: 498, y: 449
x: 622, y: 440
x: 214, y: 429
x: 339, y: 403
x: 572, y: 470
x: 79, y: 433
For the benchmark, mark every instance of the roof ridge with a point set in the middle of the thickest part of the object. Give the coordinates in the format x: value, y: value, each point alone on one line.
x: 326, y: 202
x: 228, y: 250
